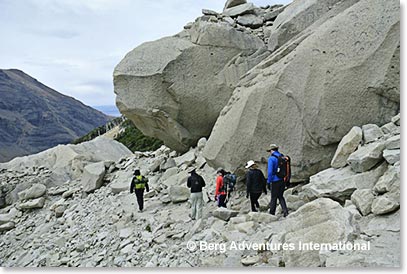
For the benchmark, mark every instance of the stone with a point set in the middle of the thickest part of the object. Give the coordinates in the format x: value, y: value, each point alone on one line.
x: 393, y: 142
x: 7, y: 226
x: 363, y: 199
x: 371, y: 133
x: 389, y: 179
x: 261, y: 217
x: 292, y: 78
x: 209, y: 12
x: 250, y: 260
x: 36, y: 191
x: 92, y: 178
x: 179, y: 194
x: 239, y: 10
x: 59, y: 210
x: 121, y: 181
x: 346, y: 147
x: 233, y: 3
x: 250, y: 20
x: 69, y: 193
x: 54, y: 191
x: 320, y: 221
x: 12, y: 215
x: 224, y: 213
x: 125, y: 233
x: 187, y: 158
x: 391, y: 155
x: 339, y: 184
x: 193, y: 65
x: 396, y: 120
x: 35, y: 203
x: 390, y: 128
x: 272, y: 15
x: 385, y: 204
x: 246, y: 227
x: 366, y: 157
x: 169, y: 163
x: 201, y: 143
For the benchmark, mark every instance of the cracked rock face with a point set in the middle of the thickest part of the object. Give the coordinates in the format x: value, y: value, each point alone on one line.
x: 313, y: 90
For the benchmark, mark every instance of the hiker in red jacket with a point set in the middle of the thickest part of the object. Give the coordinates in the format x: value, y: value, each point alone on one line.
x: 220, y: 192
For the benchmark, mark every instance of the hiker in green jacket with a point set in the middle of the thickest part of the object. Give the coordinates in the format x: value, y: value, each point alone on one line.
x: 138, y: 184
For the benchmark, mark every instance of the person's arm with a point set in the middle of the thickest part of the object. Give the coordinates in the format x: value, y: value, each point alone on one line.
x: 147, y: 187
x: 202, y: 181
x: 218, y: 185
x: 132, y: 185
x: 189, y: 182
x: 269, y: 170
x: 263, y: 182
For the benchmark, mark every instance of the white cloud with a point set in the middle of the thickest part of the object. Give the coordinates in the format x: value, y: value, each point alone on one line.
x: 74, y: 45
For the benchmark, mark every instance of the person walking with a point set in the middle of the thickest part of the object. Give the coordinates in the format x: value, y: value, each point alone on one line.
x: 138, y: 184
x: 277, y: 185
x: 255, y: 184
x: 195, y: 182
x: 220, y: 191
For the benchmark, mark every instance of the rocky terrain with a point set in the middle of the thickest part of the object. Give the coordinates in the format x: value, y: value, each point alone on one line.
x: 300, y: 75
x: 34, y: 117
x: 71, y: 206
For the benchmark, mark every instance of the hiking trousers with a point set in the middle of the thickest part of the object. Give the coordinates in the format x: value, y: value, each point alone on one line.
x: 197, y: 204
x: 277, y: 191
x: 140, y: 198
x: 254, y: 200
x: 222, y: 200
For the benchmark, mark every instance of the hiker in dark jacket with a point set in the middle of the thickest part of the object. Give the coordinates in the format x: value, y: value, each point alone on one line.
x: 138, y: 184
x: 196, y: 183
x: 276, y: 183
x: 255, y: 184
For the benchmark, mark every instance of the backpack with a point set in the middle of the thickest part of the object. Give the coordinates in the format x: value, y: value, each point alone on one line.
x: 140, y: 182
x: 230, y: 181
x: 195, y: 182
x: 284, y: 168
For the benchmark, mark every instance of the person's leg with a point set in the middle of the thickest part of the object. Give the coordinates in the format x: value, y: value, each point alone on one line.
x: 253, y: 201
x: 281, y: 198
x: 256, y: 200
x: 199, y: 205
x: 222, y: 199
x: 274, y: 194
x: 193, y: 205
x: 140, y: 198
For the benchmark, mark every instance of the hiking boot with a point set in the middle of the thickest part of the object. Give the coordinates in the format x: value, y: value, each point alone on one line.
x: 285, y: 214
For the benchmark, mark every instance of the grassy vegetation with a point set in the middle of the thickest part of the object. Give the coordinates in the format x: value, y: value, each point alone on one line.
x: 134, y: 140
x: 131, y: 136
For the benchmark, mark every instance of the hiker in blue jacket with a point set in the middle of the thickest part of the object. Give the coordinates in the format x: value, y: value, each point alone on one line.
x: 276, y: 184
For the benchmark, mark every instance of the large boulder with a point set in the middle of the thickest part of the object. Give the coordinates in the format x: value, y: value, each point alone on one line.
x: 233, y: 3
x: 161, y: 85
x: 320, y: 221
x: 307, y: 100
x: 179, y: 194
x: 366, y: 157
x: 363, y: 199
x: 36, y: 191
x: 299, y: 15
x: 224, y: 213
x: 339, y: 184
x: 31, y: 204
x: 371, y: 133
x: 346, y: 147
x: 93, y: 176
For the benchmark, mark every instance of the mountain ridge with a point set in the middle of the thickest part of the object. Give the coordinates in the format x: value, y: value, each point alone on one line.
x: 34, y: 117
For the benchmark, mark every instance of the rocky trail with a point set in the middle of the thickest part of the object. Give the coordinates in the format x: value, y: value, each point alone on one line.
x: 81, y: 213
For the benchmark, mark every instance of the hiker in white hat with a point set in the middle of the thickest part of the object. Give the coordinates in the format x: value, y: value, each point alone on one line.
x: 255, y: 184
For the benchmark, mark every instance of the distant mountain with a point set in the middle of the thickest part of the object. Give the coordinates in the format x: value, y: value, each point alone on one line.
x: 34, y: 117
x: 109, y: 110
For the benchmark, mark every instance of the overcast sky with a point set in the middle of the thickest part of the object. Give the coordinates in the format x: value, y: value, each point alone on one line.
x: 74, y: 45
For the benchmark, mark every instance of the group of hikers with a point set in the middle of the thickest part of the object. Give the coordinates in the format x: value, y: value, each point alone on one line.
x: 278, y: 177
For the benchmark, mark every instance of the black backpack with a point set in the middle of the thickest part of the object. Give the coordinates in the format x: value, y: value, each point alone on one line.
x: 284, y: 168
x: 229, y: 181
